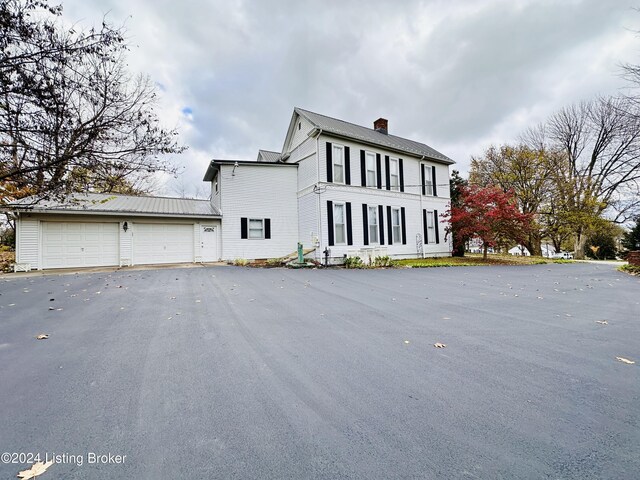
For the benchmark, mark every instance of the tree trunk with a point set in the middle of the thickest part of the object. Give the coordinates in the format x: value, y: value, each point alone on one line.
x: 578, y: 244
x: 485, y: 247
x: 534, y: 244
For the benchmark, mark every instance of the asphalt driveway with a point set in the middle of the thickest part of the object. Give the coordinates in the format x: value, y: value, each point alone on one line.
x: 244, y: 373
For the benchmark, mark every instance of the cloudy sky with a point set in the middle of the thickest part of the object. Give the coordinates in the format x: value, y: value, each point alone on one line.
x: 457, y: 74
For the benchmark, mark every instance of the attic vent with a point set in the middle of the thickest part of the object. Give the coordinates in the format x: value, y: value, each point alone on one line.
x: 380, y: 125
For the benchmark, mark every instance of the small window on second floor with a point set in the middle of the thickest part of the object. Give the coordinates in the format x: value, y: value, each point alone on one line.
x: 428, y: 179
x: 371, y: 170
x: 394, y: 175
x: 338, y: 163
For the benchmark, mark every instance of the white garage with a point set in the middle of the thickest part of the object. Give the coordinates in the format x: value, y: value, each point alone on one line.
x: 162, y: 243
x: 95, y: 230
x: 79, y: 244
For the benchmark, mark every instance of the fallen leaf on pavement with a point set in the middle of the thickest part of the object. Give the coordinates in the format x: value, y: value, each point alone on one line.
x: 42, y: 336
x: 439, y: 345
x: 36, y: 469
x: 625, y: 360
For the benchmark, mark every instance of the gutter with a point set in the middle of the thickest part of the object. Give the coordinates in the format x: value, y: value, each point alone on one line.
x: 421, y: 209
x: 114, y: 214
x: 319, y: 204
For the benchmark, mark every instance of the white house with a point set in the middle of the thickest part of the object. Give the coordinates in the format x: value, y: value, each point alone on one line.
x: 340, y: 188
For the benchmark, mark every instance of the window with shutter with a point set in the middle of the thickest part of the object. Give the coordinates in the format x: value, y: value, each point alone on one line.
x: 396, y: 225
x: 339, y: 224
x: 373, y: 225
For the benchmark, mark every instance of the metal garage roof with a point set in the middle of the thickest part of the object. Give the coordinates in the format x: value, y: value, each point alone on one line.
x: 108, y: 203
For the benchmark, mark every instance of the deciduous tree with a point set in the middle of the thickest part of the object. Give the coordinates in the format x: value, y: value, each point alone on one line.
x: 456, y: 185
x: 525, y: 171
x: 68, y: 106
x: 489, y: 214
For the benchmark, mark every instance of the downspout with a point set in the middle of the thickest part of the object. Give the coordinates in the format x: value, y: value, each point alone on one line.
x: 421, y: 210
x: 319, y: 204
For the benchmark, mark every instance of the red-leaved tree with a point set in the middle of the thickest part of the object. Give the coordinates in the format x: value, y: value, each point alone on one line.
x: 489, y: 214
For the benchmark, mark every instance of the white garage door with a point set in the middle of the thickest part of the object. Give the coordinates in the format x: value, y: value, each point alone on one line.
x: 162, y: 243
x: 71, y: 244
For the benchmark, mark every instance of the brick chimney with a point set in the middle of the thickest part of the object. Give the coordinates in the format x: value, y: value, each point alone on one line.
x: 380, y: 125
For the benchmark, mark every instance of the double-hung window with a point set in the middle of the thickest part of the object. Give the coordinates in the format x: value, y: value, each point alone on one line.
x: 394, y: 175
x: 339, y: 224
x: 395, y: 225
x: 431, y: 227
x: 428, y: 179
x: 338, y: 163
x: 373, y: 225
x: 256, y: 228
x: 371, y: 170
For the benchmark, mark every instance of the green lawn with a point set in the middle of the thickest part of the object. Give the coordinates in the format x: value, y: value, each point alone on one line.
x: 471, y: 259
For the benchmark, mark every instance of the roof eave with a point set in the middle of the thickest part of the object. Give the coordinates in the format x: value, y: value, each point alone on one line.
x: 111, y: 213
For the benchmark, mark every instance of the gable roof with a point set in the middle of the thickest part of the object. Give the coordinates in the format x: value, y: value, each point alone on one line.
x: 269, y: 156
x: 344, y: 129
x: 108, y: 203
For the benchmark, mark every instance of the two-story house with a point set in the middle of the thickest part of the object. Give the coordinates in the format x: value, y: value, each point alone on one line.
x: 340, y: 188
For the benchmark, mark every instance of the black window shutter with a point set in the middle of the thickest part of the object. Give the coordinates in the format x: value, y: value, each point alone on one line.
x: 381, y: 223
x: 401, y: 174
x: 424, y: 227
x: 267, y: 228
x: 387, y: 172
x: 379, y: 169
x: 243, y: 227
x: 347, y: 165
x: 363, y: 169
x: 349, y: 229
x: 329, y: 163
x: 404, y: 226
x: 389, y: 226
x: 436, y: 224
x: 424, y: 180
x: 433, y: 174
x: 365, y: 223
x: 330, y: 221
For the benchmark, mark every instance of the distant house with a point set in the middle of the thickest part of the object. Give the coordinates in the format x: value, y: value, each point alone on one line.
x: 519, y: 250
x: 340, y: 188
x: 548, y: 250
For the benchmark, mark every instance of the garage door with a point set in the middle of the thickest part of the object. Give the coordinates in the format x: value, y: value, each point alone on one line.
x: 71, y: 244
x: 162, y: 243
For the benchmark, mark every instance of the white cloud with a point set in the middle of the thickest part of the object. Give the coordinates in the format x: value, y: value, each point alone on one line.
x: 455, y: 75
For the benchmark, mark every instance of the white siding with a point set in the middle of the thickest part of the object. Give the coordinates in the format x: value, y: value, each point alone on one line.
x: 411, y: 166
x: 413, y: 205
x: 305, y: 149
x: 307, y: 172
x: 299, y: 134
x: 308, y: 219
x: 126, y: 243
x: 259, y: 192
x: 28, y: 241
x: 216, y: 196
